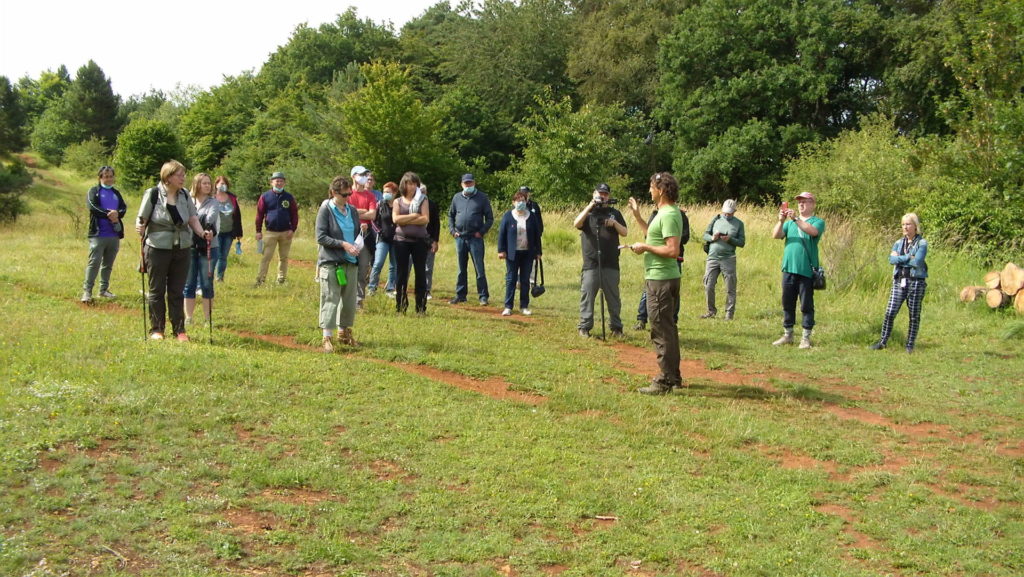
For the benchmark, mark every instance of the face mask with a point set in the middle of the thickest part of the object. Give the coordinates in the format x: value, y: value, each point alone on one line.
x: 469, y: 191
x: 521, y: 206
x: 388, y: 197
x: 361, y: 180
x: 106, y: 186
x: 276, y: 189
x: 222, y: 187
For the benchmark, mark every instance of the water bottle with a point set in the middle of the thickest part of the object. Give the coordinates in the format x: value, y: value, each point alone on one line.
x: 340, y: 273
x: 238, y: 247
x: 259, y: 246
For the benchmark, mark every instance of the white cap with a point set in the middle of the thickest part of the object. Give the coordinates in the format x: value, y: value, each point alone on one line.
x: 359, y: 169
x: 729, y: 206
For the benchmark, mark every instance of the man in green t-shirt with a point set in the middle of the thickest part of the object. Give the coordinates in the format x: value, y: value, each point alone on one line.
x: 661, y: 278
x: 802, y: 231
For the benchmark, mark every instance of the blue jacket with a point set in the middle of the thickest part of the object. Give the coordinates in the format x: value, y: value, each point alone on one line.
x: 507, y: 235
x: 468, y: 215
x: 913, y: 259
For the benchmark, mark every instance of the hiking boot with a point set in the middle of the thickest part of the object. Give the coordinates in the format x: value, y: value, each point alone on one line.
x: 640, y: 326
x: 785, y: 339
x: 618, y: 334
x: 86, y: 297
x: 655, y: 388
x: 346, y: 338
x: 456, y: 300
x: 585, y: 333
x: 107, y: 294
x: 506, y: 313
x: 805, y: 343
x: 258, y: 283
x: 328, y: 345
x: 877, y: 346
x: 708, y: 315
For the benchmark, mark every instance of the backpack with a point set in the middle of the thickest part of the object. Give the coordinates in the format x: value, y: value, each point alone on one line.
x: 684, y: 236
x: 384, y: 223
x: 707, y: 244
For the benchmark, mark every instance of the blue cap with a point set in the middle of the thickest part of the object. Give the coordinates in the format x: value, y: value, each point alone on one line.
x: 468, y: 177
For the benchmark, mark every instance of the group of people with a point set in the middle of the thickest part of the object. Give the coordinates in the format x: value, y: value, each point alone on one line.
x: 188, y: 235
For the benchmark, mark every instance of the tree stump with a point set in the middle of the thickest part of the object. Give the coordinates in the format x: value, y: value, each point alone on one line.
x: 969, y: 294
x: 1018, y: 302
x: 992, y: 279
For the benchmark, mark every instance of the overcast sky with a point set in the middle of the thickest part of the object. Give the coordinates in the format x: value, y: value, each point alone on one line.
x: 141, y: 44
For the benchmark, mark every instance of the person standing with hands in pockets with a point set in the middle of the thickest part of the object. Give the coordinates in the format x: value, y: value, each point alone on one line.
x: 277, y: 207
x: 661, y: 277
x: 802, y: 232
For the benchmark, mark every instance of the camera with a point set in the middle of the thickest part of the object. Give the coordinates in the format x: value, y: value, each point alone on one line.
x: 610, y: 201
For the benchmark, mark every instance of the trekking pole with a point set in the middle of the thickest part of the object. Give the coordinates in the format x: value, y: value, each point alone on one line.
x: 145, y: 291
x: 209, y: 276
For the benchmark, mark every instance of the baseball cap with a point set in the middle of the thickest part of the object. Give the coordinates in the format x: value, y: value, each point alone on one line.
x: 808, y: 195
x: 359, y: 169
x: 603, y: 188
x: 468, y: 177
x: 729, y: 206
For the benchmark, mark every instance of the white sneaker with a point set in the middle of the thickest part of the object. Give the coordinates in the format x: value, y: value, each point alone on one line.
x: 506, y: 313
x: 805, y: 343
x: 787, y: 339
x: 526, y: 312
x: 107, y: 294
x: 86, y: 297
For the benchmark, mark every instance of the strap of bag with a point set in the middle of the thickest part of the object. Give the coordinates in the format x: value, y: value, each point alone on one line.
x: 807, y: 251
x: 538, y: 270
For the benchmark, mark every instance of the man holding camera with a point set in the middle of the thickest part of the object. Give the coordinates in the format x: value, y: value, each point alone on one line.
x: 600, y: 228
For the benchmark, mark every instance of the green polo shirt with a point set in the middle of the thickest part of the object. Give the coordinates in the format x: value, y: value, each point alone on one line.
x: 801, y: 250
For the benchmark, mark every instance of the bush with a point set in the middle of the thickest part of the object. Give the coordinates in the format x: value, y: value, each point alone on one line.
x: 142, y: 148
x: 86, y: 157
x: 14, y: 180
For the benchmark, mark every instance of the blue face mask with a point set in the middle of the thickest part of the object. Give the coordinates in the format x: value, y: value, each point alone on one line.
x: 276, y: 189
x: 521, y: 206
x: 106, y: 186
x: 469, y: 191
x: 388, y: 197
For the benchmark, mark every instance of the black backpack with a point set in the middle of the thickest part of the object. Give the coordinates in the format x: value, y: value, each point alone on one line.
x: 384, y: 223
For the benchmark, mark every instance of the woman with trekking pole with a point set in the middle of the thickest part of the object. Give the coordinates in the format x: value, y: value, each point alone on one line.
x: 167, y: 220
x: 203, y: 253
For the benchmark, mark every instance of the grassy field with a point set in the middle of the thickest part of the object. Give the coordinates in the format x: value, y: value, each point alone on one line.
x: 469, y: 444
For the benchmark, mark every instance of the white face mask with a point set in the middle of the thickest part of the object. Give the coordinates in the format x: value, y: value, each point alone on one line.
x: 361, y: 179
x: 222, y: 187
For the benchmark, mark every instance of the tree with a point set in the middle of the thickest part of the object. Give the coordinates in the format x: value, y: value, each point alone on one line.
x: 613, y: 56
x: 567, y: 153
x: 12, y: 119
x: 218, y: 119
x: 14, y: 180
x: 421, y: 47
x: 142, y: 148
x: 744, y: 84
x: 37, y: 95
x: 92, y: 104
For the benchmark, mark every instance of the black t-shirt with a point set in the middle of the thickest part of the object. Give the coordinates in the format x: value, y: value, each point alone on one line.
x: 609, y: 240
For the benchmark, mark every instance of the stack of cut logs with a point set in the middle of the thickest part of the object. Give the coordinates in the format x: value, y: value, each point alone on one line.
x: 1001, y: 288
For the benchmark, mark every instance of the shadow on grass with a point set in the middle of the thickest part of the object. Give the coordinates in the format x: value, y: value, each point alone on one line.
x: 754, y: 393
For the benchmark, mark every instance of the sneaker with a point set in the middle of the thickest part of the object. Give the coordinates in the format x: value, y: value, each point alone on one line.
x: 506, y: 313
x: 183, y: 338
x: 728, y: 316
x: 456, y: 300
x: 429, y: 297
x: 220, y: 279
x: 786, y: 339
x: 805, y: 343
x: 877, y: 346
x: 328, y: 345
x: 618, y: 334
x: 655, y: 388
x: 526, y: 312
x: 156, y: 336
x: 86, y: 297
x: 483, y: 302
x: 107, y: 294
x: 585, y: 333
x: 390, y: 294
x: 257, y: 284
x: 910, y: 350
x: 640, y: 326
x: 708, y: 315
x: 281, y: 281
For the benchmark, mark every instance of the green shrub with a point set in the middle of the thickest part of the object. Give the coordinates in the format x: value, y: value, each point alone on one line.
x: 142, y: 148
x: 14, y: 180
x: 86, y: 157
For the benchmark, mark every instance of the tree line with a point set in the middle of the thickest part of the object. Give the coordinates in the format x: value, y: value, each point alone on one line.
x: 878, y: 106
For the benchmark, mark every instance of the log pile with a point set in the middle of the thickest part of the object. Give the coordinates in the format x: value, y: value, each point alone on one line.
x: 1002, y: 288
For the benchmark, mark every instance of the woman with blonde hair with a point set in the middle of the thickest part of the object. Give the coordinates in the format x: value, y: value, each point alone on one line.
x: 909, y: 280
x: 167, y: 220
x: 203, y: 253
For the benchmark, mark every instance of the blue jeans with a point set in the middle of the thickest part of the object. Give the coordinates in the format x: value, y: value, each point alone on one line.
x: 198, y: 273
x: 223, y: 249
x: 386, y: 250
x: 466, y: 246
x: 793, y: 286
x: 518, y: 271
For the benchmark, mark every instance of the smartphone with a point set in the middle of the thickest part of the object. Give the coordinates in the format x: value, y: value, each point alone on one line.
x: 785, y: 206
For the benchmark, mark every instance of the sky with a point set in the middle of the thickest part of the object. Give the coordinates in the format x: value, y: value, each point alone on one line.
x: 143, y: 45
